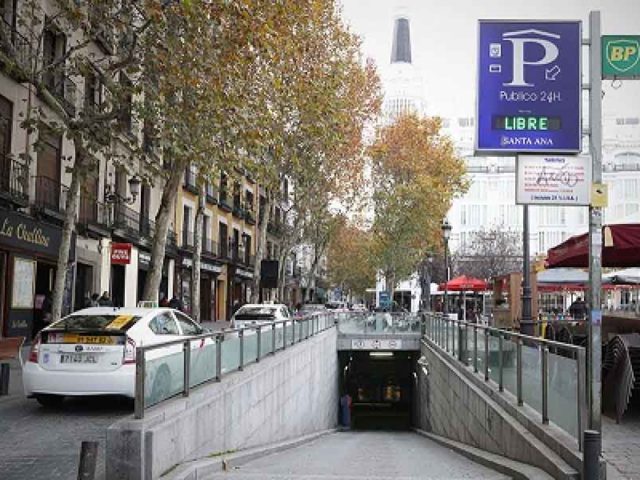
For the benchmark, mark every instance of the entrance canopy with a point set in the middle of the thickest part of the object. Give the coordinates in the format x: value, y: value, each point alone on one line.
x: 464, y: 283
x: 620, y: 248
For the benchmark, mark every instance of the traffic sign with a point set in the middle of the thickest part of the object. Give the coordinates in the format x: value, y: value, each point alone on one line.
x: 529, y: 87
x: 621, y: 56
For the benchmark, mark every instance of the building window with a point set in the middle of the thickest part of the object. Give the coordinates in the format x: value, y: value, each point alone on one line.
x: 54, y: 45
x: 187, y: 235
x: 223, y: 188
x: 6, y: 115
x: 92, y: 92
x: 125, y: 119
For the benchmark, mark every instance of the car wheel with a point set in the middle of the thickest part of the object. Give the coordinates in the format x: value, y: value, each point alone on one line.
x: 161, y: 385
x: 49, y: 401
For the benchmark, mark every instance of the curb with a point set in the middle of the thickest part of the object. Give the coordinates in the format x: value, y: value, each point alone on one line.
x: 199, y: 469
x: 517, y: 470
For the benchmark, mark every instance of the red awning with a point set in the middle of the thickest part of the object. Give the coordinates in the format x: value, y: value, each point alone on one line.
x: 620, y: 248
x: 464, y: 283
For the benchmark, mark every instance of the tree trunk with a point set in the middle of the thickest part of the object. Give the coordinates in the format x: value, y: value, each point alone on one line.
x: 71, y: 209
x: 260, y: 246
x: 390, y: 280
x: 282, y: 275
x: 163, y: 218
x: 197, y: 254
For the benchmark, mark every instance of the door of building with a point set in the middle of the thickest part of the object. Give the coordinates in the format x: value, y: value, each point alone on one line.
x: 84, y: 285
x: 117, y: 285
x: 205, y: 298
x: 3, y: 290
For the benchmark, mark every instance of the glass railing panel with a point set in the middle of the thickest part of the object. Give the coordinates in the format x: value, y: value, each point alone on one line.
x: 164, y: 374
x: 250, y: 345
x: 230, y: 352
x: 563, y: 392
x: 494, y: 356
x: 509, y: 367
x: 266, y: 340
x: 203, y: 361
x: 532, y: 377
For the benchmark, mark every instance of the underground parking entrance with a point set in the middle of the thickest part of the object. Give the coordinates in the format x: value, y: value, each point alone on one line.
x: 381, y: 386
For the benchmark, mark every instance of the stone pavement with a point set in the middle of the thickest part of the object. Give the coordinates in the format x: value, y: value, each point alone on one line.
x: 621, y: 445
x: 37, y: 443
x: 363, y: 455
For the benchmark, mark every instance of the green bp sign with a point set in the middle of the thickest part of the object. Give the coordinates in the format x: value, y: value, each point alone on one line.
x: 621, y: 56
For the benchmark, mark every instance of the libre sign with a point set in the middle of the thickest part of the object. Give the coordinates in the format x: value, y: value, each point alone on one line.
x: 553, y: 180
x: 621, y: 56
x: 529, y: 87
x: 121, y: 253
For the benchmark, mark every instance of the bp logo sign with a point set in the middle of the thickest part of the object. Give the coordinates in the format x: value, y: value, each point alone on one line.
x: 621, y: 56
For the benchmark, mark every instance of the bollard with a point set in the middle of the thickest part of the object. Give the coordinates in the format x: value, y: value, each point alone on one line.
x: 88, y: 460
x: 591, y: 455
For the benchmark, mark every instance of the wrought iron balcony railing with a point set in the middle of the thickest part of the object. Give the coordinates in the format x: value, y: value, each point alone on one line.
x: 51, y: 195
x: 14, y: 180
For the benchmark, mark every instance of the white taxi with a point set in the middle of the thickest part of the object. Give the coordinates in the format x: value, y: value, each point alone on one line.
x: 93, y: 352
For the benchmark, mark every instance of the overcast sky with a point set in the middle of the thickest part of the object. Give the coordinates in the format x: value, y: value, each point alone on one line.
x: 444, y: 32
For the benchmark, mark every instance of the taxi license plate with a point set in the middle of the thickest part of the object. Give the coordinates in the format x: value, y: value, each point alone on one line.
x: 88, y: 339
x: 77, y: 358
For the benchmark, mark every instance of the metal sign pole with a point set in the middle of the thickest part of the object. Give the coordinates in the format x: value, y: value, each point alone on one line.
x: 595, y: 225
x: 526, y: 275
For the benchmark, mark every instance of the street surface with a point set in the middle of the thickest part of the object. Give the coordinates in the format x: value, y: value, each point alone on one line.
x: 37, y: 443
x: 360, y: 455
x: 621, y: 445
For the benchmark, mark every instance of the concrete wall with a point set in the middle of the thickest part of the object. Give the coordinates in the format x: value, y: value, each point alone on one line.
x: 290, y: 394
x: 456, y: 404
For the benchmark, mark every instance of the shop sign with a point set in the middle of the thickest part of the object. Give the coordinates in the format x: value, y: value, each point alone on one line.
x: 243, y: 273
x: 206, y: 266
x: 144, y: 259
x: 22, y: 232
x: 553, y: 180
x: 121, y: 253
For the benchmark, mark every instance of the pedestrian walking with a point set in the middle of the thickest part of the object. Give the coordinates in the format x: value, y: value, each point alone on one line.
x: 175, y: 303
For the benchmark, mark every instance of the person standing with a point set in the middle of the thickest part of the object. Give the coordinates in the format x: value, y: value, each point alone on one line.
x: 105, y: 300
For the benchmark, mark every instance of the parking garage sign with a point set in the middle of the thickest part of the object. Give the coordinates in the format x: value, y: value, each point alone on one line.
x: 529, y: 87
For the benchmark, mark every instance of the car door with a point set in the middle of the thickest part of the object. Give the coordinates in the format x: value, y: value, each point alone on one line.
x: 163, y: 365
x: 203, y: 350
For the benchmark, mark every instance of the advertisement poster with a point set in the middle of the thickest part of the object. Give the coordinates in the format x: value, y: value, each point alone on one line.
x: 22, y: 295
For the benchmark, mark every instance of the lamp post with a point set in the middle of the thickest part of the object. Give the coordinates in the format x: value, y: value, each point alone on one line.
x: 446, y: 233
x: 113, y: 198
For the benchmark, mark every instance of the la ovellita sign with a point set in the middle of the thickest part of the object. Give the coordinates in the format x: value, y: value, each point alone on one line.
x: 553, y: 180
x: 529, y: 87
x: 621, y: 56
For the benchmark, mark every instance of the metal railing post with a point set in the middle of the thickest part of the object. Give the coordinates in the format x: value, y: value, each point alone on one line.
x: 306, y: 337
x: 284, y: 335
x: 273, y: 338
x: 446, y: 334
x: 591, y: 455
x: 500, y: 364
x: 186, y: 355
x: 293, y: 331
x: 519, y: 371
x: 486, y: 355
x: 460, y: 354
x: 219, y: 339
x: 259, y: 342
x: 139, y: 388
x: 475, y: 348
x: 545, y: 384
x: 241, y: 337
x: 581, y: 358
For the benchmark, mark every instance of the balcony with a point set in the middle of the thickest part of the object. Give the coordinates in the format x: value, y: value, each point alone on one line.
x: 238, y: 254
x: 147, y: 227
x: 238, y: 210
x: 63, y: 89
x: 127, y: 220
x: 209, y: 247
x: 187, y: 240
x: 211, y: 195
x: 224, y: 250
x: 18, y: 48
x: 190, y: 180
x: 51, y: 197
x: 250, y: 260
x: 93, y: 216
x: 274, y: 229
x: 223, y: 201
x: 14, y: 184
x: 172, y: 242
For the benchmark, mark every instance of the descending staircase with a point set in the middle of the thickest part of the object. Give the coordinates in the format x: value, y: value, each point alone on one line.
x: 621, y: 373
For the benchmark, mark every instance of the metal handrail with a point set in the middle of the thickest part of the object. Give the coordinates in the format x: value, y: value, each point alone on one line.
x: 438, y: 326
x: 310, y: 321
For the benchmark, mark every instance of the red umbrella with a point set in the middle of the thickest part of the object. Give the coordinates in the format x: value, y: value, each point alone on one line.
x: 621, y: 248
x: 464, y: 283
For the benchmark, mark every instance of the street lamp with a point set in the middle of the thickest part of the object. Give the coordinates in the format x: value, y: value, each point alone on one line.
x: 111, y: 196
x: 446, y: 233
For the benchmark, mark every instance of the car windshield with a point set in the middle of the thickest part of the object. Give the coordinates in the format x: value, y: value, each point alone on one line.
x: 255, y: 312
x: 120, y: 323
